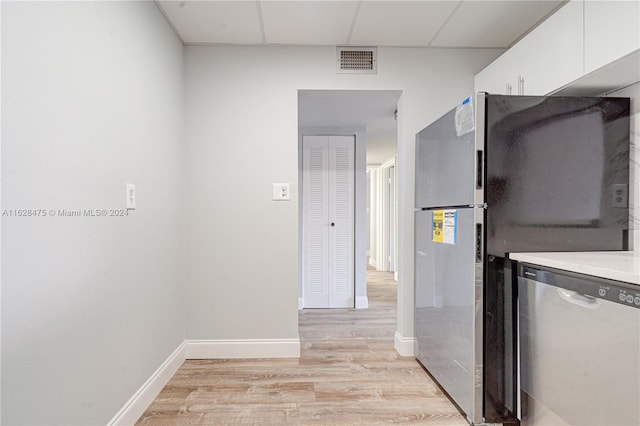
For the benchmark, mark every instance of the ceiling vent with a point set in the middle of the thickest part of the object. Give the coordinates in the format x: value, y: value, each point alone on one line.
x: 357, y: 60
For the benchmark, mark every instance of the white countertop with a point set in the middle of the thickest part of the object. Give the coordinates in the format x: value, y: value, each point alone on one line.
x: 614, y: 265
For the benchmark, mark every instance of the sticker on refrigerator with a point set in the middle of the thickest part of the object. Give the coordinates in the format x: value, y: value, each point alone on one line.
x: 464, y: 117
x: 444, y: 226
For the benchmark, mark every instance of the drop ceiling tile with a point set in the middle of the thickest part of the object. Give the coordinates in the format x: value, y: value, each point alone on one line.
x: 492, y: 23
x: 228, y: 22
x: 400, y: 23
x: 308, y: 22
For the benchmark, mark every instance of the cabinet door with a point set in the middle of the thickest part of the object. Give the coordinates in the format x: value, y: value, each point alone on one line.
x: 499, y: 76
x: 612, y: 30
x: 551, y: 56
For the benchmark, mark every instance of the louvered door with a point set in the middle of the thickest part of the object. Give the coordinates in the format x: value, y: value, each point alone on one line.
x: 315, y: 195
x: 341, y: 201
x: 328, y: 221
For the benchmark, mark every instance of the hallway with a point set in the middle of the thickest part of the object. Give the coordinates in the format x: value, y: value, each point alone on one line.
x: 348, y: 373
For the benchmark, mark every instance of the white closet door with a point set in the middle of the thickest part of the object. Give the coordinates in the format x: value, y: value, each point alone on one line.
x: 328, y: 221
x: 341, y: 206
x: 315, y: 181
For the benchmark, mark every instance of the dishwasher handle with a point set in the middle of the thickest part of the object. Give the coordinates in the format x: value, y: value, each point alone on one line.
x: 578, y: 299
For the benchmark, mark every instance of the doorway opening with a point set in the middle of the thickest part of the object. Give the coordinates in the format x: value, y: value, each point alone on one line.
x: 370, y: 116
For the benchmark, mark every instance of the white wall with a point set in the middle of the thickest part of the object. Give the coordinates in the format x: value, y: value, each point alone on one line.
x: 91, y: 306
x: 242, y: 247
x: 633, y: 92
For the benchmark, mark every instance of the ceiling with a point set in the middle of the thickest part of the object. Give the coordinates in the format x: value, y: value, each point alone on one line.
x: 371, y: 109
x: 393, y: 23
x: 468, y: 23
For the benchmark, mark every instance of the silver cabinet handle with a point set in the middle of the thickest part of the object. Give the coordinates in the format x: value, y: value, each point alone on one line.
x: 520, y: 85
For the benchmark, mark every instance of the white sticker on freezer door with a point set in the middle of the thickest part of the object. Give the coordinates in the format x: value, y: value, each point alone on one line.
x: 444, y: 225
x: 464, y: 117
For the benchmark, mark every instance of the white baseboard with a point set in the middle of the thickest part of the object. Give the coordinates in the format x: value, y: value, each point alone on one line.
x: 362, y: 302
x: 373, y: 263
x: 242, y: 348
x: 140, y: 401
x: 404, y: 345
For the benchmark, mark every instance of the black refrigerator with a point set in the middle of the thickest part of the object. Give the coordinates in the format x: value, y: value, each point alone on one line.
x: 498, y: 175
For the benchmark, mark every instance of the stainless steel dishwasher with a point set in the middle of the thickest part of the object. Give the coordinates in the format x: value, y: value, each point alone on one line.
x: 579, y: 346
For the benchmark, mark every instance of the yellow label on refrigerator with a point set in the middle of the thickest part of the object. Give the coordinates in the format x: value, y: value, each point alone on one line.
x: 438, y: 219
x: 444, y: 226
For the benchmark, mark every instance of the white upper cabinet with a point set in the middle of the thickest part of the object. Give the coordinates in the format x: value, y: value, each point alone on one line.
x: 588, y: 47
x: 547, y: 58
x: 612, y: 31
x: 551, y: 56
x: 499, y: 78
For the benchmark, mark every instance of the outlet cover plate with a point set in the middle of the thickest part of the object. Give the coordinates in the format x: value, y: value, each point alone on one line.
x: 281, y: 192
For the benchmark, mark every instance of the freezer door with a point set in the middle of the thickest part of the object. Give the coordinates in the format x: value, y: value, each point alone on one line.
x: 448, y: 301
x: 449, y: 158
x: 557, y: 173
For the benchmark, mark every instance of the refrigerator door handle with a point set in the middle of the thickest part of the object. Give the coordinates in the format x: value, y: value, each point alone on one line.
x: 478, y: 243
x: 479, y: 169
x: 479, y: 141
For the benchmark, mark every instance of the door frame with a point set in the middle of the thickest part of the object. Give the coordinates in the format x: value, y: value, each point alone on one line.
x: 381, y: 220
x: 390, y: 216
x: 360, y: 232
x: 373, y: 206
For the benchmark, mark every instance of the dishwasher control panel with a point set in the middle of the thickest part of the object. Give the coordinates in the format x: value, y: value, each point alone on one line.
x: 586, y: 285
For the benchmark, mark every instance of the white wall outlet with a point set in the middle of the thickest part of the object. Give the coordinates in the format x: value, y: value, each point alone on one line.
x: 131, y: 196
x: 281, y: 192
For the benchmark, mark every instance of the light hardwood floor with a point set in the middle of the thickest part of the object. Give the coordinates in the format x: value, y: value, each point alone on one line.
x: 348, y: 373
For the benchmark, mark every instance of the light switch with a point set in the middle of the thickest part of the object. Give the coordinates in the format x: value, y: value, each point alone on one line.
x: 281, y: 192
x: 131, y: 196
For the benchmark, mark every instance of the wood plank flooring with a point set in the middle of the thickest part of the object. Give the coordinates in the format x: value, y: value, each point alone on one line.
x: 348, y: 373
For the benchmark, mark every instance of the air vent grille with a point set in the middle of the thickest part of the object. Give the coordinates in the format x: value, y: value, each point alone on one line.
x: 357, y: 60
